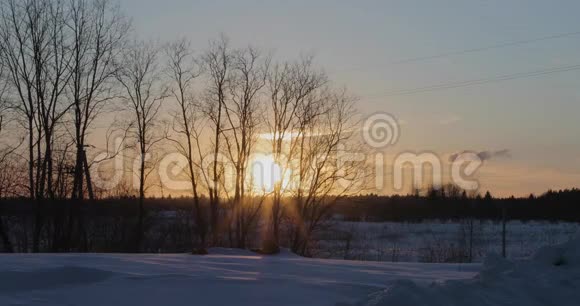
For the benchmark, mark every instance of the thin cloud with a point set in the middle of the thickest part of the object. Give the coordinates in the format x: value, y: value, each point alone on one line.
x: 482, y: 155
x: 450, y: 120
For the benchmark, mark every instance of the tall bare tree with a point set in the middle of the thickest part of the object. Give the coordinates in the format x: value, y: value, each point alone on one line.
x: 289, y: 85
x: 242, y: 113
x: 7, y: 177
x: 323, y: 174
x: 217, y: 61
x: 34, y: 46
x: 140, y: 76
x: 52, y: 79
x: 16, y: 46
x: 98, y: 34
x: 183, y: 70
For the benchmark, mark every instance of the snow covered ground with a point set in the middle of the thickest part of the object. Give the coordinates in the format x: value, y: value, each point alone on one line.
x: 234, y: 277
x: 226, y: 277
x: 394, y: 241
x: 550, y: 277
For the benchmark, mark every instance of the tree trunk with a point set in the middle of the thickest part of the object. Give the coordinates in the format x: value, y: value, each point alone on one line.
x: 503, y: 232
x: 140, y: 234
x: 38, y: 221
x: 5, y: 237
x: 31, y: 158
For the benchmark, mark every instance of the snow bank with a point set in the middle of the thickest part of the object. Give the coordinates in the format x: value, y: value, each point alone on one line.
x: 550, y: 277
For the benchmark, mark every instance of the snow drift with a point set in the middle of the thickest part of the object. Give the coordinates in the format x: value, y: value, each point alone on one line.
x: 550, y: 277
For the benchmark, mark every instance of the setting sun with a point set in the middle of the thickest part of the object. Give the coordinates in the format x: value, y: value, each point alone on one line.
x: 266, y: 173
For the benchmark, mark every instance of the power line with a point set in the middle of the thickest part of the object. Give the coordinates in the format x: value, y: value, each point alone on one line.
x: 472, y: 50
x: 496, y: 46
x: 494, y: 79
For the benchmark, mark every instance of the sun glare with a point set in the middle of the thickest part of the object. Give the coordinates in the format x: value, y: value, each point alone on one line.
x: 266, y: 173
x: 287, y: 136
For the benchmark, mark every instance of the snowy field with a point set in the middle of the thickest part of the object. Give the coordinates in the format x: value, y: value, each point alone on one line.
x: 225, y: 277
x: 234, y: 277
x: 438, y: 241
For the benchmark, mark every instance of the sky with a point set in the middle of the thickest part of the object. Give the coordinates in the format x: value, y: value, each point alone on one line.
x: 380, y: 48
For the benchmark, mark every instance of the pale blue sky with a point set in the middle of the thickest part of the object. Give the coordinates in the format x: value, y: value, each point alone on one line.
x: 358, y: 42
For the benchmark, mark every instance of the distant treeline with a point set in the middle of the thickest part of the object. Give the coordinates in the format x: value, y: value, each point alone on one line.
x: 562, y: 205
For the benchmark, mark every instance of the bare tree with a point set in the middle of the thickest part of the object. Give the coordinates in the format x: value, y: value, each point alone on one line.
x: 183, y: 70
x: 16, y: 57
x: 217, y: 61
x: 98, y: 35
x: 326, y: 129
x: 141, y: 78
x: 53, y: 77
x: 7, y: 176
x: 16, y: 44
x: 242, y: 116
x: 34, y: 46
x: 288, y: 87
